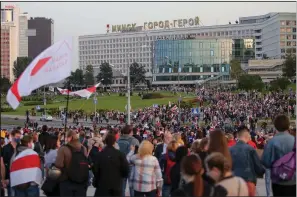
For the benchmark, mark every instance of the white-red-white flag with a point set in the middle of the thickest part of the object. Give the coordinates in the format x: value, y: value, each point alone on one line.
x: 51, y: 66
x: 85, y: 93
x: 25, y: 168
x: 63, y: 91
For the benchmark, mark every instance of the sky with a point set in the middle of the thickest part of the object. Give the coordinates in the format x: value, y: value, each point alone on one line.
x: 83, y: 18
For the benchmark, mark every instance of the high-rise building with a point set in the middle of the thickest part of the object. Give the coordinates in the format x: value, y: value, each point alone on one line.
x: 23, y: 37
x: 44, y: 35
x: 10, y: 39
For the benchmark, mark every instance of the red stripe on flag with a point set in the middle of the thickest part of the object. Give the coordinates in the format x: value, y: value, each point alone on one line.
x: 39, y: 65
x: 30, y: 161
x: 91, y: 89
x: 15, y: 89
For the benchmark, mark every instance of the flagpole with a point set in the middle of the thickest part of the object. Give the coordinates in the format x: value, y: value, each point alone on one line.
x: 66, y: 110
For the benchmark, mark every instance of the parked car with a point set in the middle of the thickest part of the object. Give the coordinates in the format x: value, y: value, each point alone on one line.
x: 46, y: 118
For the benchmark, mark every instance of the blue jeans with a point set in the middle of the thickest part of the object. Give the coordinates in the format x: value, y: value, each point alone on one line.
x: 124, y: 188
x: 91, y: 176
x: 267, y: 182
x: 32, y: 191
x: 166, y: 190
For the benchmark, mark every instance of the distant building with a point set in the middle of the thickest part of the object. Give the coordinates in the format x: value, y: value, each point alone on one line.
x: 23, y: 36
x: 41, y: 35
x: 268, y: 70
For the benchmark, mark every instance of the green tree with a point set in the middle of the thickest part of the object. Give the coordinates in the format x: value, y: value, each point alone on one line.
x: 105, y: 74
x: 89, y: 75
x: 289, y: 66
x: 19, y: 65
x: 236, y: 70
x: 250, y: 82
x: 279, y: 84
x: 5, y: 84
x: 137, y: 74
x: 76, y: 78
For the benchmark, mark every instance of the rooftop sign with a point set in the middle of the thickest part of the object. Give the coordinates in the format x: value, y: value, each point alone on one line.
x: 179, y: 23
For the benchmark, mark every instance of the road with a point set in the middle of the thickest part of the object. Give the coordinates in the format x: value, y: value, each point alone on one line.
x: 11, y: 121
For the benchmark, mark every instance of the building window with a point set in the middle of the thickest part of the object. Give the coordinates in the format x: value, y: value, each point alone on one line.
x: 282, y: 44
x: 283, y: 29
x: 283, y: 23
x: 294, y: 43
x: 294, y: 29
x: 282, y: 37
x: 294, y: 37
x: 289, y: 29
x: 289, y: 43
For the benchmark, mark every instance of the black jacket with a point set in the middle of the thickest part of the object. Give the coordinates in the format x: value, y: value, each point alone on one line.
x: 7, y: 153
x: 159, y: 151
x: 110, y: 167
x: 43, y: 136
x: 175, y: 176
x: 187, y: 190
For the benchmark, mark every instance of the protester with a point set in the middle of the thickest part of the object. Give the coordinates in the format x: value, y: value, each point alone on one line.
x: 125, y: 141
x: 191, y: 171
x: 24, y: 180
x: 162, y: 148
x: 42, y: 138
x: 72, y: 161
x: 167, y: 161
x: 246, y: 163
x: 7, y: 153
x: 110, y: 168
x: 175, y: 176
x: 275, y: 151
x: 216, y: 169
x: 146, y: 178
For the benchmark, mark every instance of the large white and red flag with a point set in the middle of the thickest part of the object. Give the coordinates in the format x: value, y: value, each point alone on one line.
x: 85, y: 93
x: 51, y: 66
x: 25, y: 168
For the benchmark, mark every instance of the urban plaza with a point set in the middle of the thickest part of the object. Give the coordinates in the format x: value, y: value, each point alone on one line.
x: 180, y: 99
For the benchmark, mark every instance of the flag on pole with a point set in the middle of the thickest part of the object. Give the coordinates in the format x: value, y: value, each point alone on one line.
x: 85, y: 93
x: 25, y: 168
x: 63, y: 91
x: 51, y: 66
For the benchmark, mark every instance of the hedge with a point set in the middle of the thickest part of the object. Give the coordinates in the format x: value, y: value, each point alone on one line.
x: 30, y: 103
x: 152, y: 96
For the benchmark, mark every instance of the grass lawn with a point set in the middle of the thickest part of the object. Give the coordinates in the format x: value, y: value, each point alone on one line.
x: 114, y: 101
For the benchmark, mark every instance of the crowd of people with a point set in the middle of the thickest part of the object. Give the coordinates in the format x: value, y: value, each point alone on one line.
x: 159, y: 160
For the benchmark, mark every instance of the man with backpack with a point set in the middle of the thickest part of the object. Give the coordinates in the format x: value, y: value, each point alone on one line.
x: 73, y: 162
x: 125, y: 142
x: 280, y: 157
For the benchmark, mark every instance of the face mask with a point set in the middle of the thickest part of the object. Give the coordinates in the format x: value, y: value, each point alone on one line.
x: 17, y: 140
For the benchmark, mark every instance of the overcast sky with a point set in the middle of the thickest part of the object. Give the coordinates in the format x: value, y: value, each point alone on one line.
x: 80, y: 18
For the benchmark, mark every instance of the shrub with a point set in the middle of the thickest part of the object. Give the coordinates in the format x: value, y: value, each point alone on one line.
x: 6, y: 109
x: 30, y: 103
x: 152, y: 96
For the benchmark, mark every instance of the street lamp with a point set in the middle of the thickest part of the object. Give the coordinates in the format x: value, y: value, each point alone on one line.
x: 128, y: 87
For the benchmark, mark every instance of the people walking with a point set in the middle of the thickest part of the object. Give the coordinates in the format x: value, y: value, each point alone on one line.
x: 73, y: 162
x: 110, y: 168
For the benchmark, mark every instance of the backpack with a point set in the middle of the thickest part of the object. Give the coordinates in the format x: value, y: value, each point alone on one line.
x: 78, y: 171
x: 169, y: 165
x: 124, y: 145
x: 284, y: 169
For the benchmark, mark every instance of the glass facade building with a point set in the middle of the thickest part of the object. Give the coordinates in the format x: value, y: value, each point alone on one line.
x: 243, y: 49
x: 191, y: 61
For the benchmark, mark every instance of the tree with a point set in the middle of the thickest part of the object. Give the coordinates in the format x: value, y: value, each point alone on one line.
x: 20, y: 65
x: 236, y: 70
x: 105, y: 74
x: 250, y: 82
x: 89, y: 75
x: 289, y: 66
x: 279, y: 83
x: 76, y: 78
x: 137, y: 74
x: 5, y: 84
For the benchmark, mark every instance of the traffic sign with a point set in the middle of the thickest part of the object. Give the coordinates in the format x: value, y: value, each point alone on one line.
x: 195, y: 110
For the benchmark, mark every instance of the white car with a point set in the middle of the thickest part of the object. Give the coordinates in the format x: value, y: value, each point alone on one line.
x: 46, y: 118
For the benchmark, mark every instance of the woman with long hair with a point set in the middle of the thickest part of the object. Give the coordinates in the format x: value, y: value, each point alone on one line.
x: 177, y: 137
x: 195, y: 186
x: 146, y: 178
x: 218, y: 143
